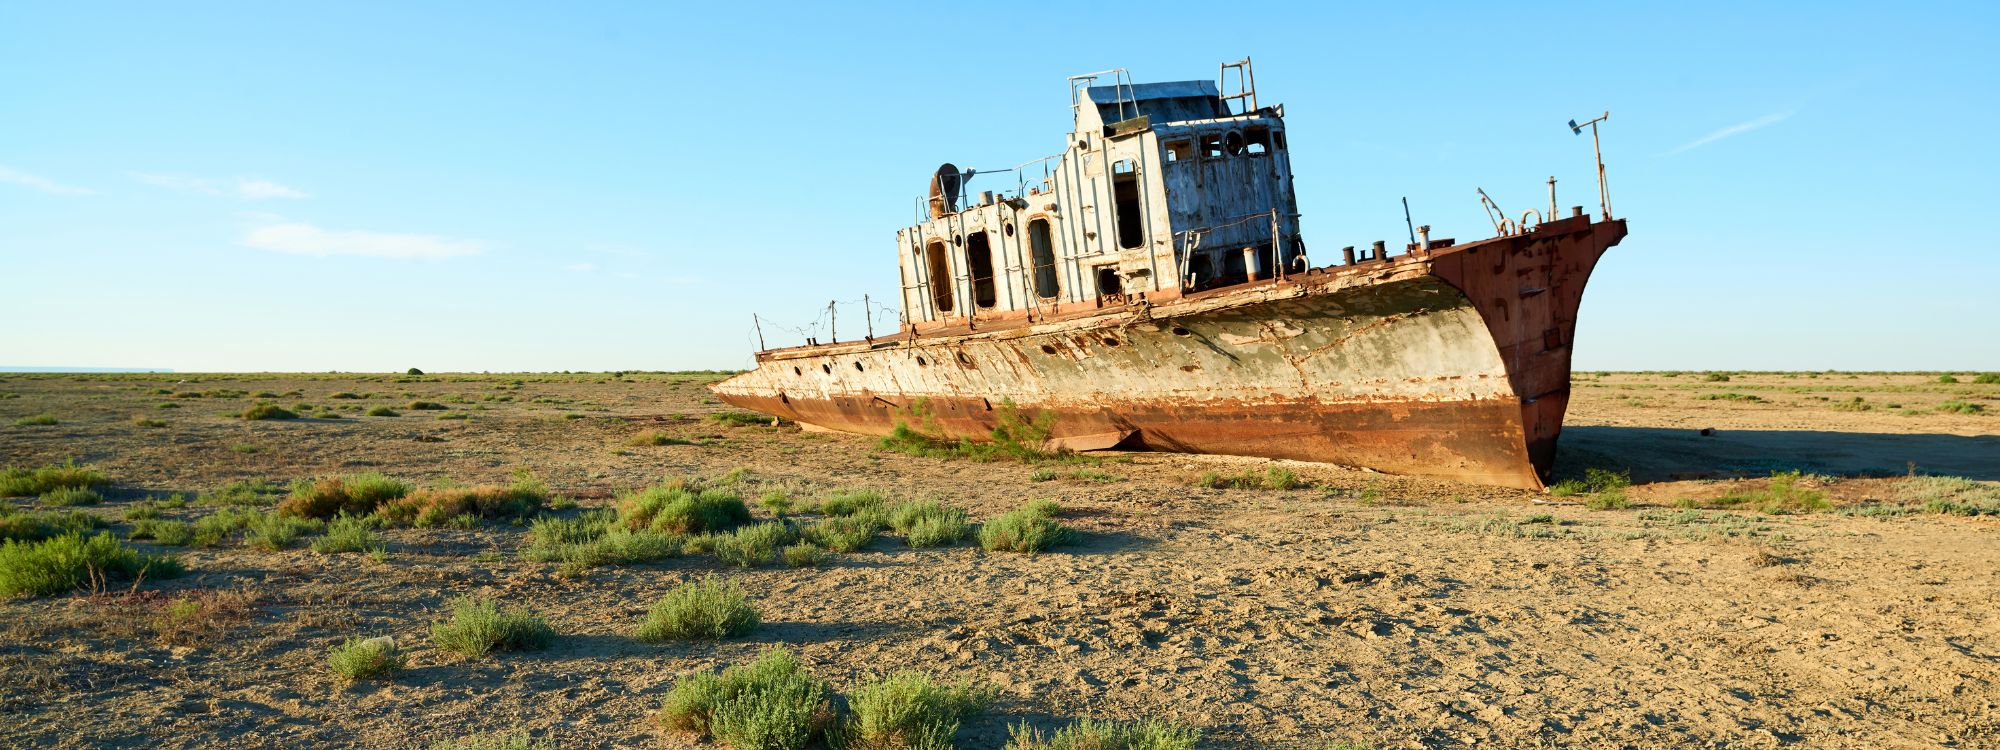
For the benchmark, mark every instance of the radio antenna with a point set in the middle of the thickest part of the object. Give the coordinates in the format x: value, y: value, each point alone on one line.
x: 1406, y: 220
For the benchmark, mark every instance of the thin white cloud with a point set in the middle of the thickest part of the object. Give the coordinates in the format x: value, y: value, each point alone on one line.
x: 17, y: 177
x: 247, y: 188
x: 297, y: 238
x: 1733, y: 130
x: 581, y: 267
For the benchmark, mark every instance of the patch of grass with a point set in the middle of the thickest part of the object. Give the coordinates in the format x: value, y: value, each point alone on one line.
x: 346, y: 395
x: 752, y: 546
x: 1097, y: 477
x: 479, y: 627
x: 776, y: 501
x: 656, y: 437
x: 348, y: 534
x: 1029, y: 529
x: 1715, y: 377
x: 708, y: 609
x: 245, y: 448
x: 744, y: 419
x: 1855, y: 404
x: 71, y: 561
x: 1086, y: 734
x: 44, y: 419
x: 681, y: 507
x: 768, y: 704
x: 383, y: 411
x: 1044, y: 475
x: 805, y: 555
x: 596, y: 538
x: 243, y: 492
x: 426, y: 406
x: 1956, y: 496
x: 1729, y: 397
x: 1960, y: 407
x: 274, y: 532
x: 354, y: 495
x: 908, y: 710
x: 454, y: 415
x: 23, y: 482
x: 493, y: 742
x: 151, y: 423
x: 844, y: 534
x: 437, y: 507
x: 1273, y: 478
x: 365, y: 659
x: 1014, y: 436
x: 1781, y: 494
x: 1987, y: 378
x: 44, y: 524
x: 65, y: 497
x: 1947, y: 378
x: 211, y: 529
x: 928, y: 523
x: 268, y: 411
x: 170, y: 533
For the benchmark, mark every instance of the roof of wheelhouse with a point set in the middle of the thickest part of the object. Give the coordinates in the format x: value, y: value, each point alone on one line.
x: 1163, y: 102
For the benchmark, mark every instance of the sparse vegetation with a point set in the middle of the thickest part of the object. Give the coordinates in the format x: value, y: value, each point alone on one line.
x: 908, y: 710
x: 426, y: 406
x: 1987, y: 378
x: 1780, y: 494
x: 844, y: 534
x: 656, y: 437
x: 708, y: 609
x: 1272, y: 478
x: 494, y: 742
x: 44, y: 419
x: 169, y: 533
x: 752, y: 546
x: 70, y: 561
x: 1960, y: 407
x: 268, y: 411
x: 1086, y: 734
x: 744, y: 419
x: 1955, y: 496
x: 479, y: 627
x: 805, y: 555
x: 1715, y: 377
x: 383, y: 411
x: 70, y: 496
x: 348, y: 534
x: 274, y: 532
x: 768, y: 704
x: 1745, y: 397
x: 1014, y: 437
x: 682, y: 507
x: 1601, y: 489
x: 24, y: 482
x: 365, y: 659
x: 1030, y: 529
x: 355, y: 495
x: 39, y: 525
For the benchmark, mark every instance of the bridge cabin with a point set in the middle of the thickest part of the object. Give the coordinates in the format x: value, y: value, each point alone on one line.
x: 1163, y: 190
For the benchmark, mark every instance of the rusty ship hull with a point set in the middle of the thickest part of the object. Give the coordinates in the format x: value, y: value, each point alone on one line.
x: 1449, y: 361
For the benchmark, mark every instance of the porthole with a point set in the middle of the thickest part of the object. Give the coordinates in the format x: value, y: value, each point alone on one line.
x: 1047, y: 349
x: 957, y: 240
x: 857, y: 367
x: 1109, y: 341
x: 828, y: 369
x: 1179, y: 331
x: 1010, y: 230
x: 922, y: 363
x: 964, y: 360
x: 798, y: 372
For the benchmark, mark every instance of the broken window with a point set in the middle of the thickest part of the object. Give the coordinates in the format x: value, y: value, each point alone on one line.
x: 979, y: 258
x: 1211, y: 147
x: 1258, y: 138
x: 1042, y: 252
x: 939, y: 267
x: 1178, y: 150
x: 1108, y: 283
x: 1233, y: 143
x: 1278, y: 140
x: 1125, y: 193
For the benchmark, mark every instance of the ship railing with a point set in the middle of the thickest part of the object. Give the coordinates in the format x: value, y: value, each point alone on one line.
x: 1189, y: 240
x: 829, y: 320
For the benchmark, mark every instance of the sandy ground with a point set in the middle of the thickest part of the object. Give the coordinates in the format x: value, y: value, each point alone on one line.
x: 1392, y: 611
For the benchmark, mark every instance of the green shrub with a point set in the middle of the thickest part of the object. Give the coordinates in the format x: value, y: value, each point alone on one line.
x: 776, y: 501
x: 1987, y: 378
x: 1780, y: 495
x: 274, y: 532
x: 383, y: 411
x: 1086, y: 734
x: 805, y: 555
x: 427, y: 406
x: 479, y: 627
x: 744, y: 419
x: 852, y: 502
x: 1947, y: 378
x: 843, y: 534
x: 344, y: 395
x: 70, y: 497
x: 365, y: 658
x: 908, y: 710
x: 1955, y: 496
x: 681, y: 509
x: 143, y: 422
x: 1273, y: 478
x: 768, y: 704
x: 356, y: 495
x: 269, y: 411
x: 44, y: 524
x: 348, y: 534
x: 211, y: 529
x: 1716, y: 377
x: 71, y: 561
x: 1045, y: 508
x: 24, y: 482
x: 1026, y: 530
x: 37, y: 420
x: 493, y: 742
x: 708, y: 609
x: 1044, y: 475
x: 444, y: 506
x: 253, y: 492
x: 656, y: 437
x: 170, y: 533
x: 929, y: 524
x: 752, y: 546
x: 1961, y: 407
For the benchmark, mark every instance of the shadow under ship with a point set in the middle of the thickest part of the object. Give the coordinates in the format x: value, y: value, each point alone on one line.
x: 1147, y: 289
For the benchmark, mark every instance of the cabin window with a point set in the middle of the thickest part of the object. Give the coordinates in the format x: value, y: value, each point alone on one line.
x: 979, y: 258
x: 940, y: 275
x: 1125, y: 192
x: 1233, y: 143
x: 1178, y: 150
x: 1278, y: 140
x: 1108, y: 283
x: 1211, y: 147
x: 1042, y: 251
x: 1259, y: 140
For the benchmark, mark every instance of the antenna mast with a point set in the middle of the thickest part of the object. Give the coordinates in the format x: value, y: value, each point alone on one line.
x: 1603, y: 188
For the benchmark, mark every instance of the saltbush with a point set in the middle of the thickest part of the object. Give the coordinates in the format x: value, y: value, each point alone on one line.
x: 709, y: 609
x: 72, y: 561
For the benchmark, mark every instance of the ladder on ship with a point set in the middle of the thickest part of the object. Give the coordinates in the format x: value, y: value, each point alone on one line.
x: 1246, y: 85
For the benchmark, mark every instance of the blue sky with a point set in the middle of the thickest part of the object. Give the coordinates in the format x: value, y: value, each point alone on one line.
x: 489, y: 186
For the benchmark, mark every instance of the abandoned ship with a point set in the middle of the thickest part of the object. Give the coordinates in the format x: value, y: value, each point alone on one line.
x: 1147, y: 288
